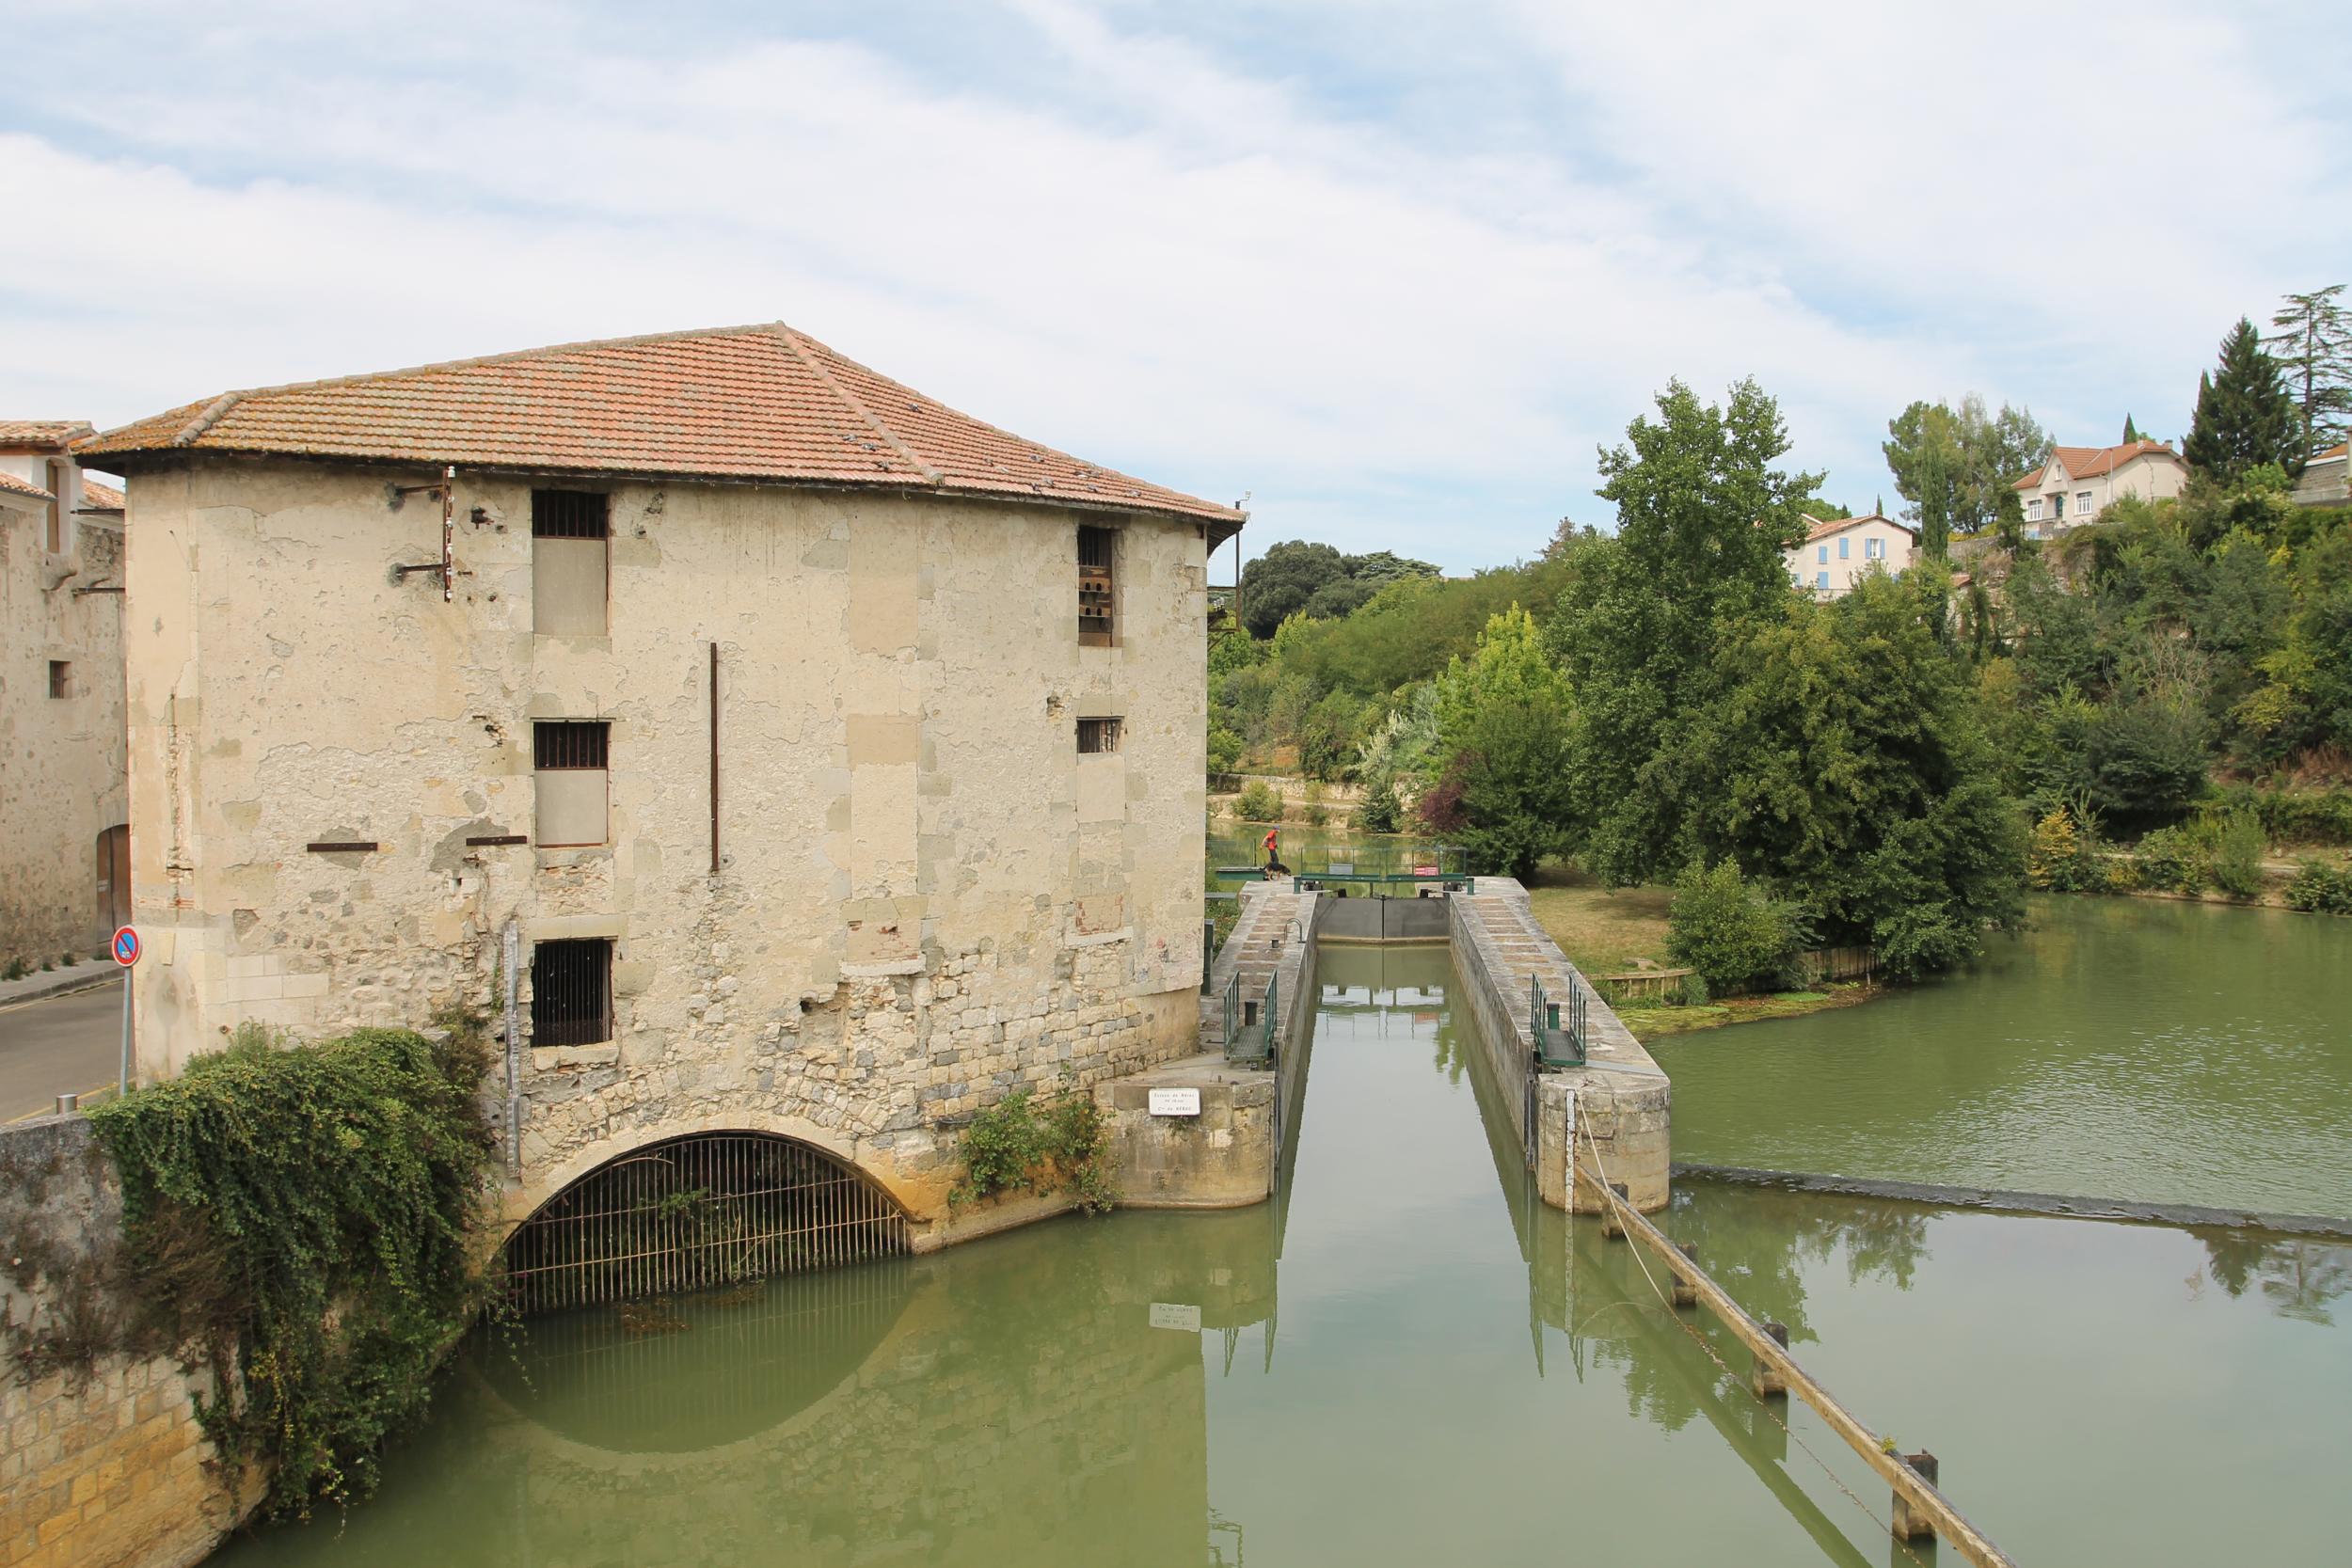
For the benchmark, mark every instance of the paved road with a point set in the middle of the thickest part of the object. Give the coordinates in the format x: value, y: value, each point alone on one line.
x: 68, y: 1044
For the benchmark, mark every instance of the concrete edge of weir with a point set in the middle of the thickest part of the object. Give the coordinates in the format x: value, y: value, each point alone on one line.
x: 2010, y: 1201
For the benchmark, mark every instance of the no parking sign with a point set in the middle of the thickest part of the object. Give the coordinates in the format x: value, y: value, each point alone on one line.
x: 126, y: 947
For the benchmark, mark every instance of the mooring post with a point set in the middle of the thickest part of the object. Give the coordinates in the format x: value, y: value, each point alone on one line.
x: 1909, y: 1524
x: 1611, y: 1226
x: 1765, y: 1377
x: 1685, y: 1293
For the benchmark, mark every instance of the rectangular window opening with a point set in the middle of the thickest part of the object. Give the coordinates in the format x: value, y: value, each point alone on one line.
x: 571, y: 992
x: 1098, y: 736
x: 60, y: 677
x: 2082, y: 503
x: 1095, y: 588
x: 571, y: 563
x: 570, y: 758
x: 1842, y: 552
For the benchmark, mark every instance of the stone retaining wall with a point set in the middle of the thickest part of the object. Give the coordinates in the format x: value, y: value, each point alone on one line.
x: 103, y: 1464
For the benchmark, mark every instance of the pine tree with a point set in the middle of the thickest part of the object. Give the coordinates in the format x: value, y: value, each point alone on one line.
x: 2314, y: 346
x: 2131, y: 432
x: 2244, y: 416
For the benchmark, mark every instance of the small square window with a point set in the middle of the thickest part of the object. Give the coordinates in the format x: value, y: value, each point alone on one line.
x: 60, y: 678
x: 1098, y: 736
x: 570, y: 515
x: 571, y: 993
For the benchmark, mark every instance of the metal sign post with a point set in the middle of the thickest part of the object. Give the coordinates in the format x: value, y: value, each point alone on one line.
x: 126, y: 953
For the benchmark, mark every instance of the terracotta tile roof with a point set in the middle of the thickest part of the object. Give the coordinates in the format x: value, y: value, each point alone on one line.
x: 15, y: 486
x: 41, y: 432
x: 2341, y: 449
x: 745, y: 402
x: 99, y: 497
x: 2090, y: 462
x: 1824, y: 526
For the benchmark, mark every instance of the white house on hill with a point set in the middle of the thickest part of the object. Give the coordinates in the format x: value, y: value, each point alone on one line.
x: 2076, y: 484
x: 1839, y: 550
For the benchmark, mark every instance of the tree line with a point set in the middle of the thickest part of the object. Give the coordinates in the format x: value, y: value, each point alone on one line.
x: 1661, y: 704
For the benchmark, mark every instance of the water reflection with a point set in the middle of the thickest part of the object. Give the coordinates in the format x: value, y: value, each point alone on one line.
x: 1464, y: 1375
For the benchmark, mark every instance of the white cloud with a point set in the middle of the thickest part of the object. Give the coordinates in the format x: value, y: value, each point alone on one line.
x: 1203, y: 273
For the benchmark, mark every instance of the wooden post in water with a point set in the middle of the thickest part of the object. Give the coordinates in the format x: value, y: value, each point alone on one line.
x: 1766, y: 1379
x: 1910, y: 1523
x: 1613, y: 1227
x: 1684, y: 1292
x: 1768, y: 1343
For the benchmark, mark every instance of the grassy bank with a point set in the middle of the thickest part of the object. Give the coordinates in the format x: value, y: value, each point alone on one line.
x: 1603, y: 930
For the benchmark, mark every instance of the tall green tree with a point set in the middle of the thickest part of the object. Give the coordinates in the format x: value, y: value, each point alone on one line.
x: 2244, y: 416
x: 2131, y: 431
x: 2314, y: 346
x: 1279, y: 583
x: 1502, y: 722
x: 1703, y: 514
x: 1845, y: 768
x: 1958, y: 461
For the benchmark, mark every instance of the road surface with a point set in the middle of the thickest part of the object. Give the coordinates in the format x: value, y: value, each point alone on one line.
x: 68, y: 1044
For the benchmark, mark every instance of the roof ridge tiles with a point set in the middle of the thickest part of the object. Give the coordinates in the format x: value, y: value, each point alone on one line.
x: 791, y: 341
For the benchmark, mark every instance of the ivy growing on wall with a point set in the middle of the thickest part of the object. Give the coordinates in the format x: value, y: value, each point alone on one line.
x: 297, y: 1219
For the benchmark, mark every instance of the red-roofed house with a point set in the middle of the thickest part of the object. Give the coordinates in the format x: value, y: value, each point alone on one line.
x: 64, y: 848
x: 2322, y: 481
x: 834, y: 759
x: 2076, y: 484
x: 1839, y: 550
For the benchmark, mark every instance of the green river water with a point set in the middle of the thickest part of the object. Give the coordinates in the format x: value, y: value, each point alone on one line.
x: 1406, y: 1360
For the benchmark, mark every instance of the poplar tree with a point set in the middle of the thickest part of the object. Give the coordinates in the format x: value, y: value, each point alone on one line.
x: 2244, y: 416
x: 2314, y: 346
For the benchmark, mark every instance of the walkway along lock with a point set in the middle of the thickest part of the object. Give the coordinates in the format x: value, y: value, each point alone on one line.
x: 1919, y: 1509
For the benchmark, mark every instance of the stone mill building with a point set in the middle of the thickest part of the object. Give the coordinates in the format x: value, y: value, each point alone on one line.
x: 816, y: 760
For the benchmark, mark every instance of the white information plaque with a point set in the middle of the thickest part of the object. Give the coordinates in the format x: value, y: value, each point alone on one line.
x: 1168, y: 1315
x: 1175, y: 1102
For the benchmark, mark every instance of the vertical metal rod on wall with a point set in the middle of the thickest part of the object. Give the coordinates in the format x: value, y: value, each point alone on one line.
x: 714, y: 759
x: 511, y: 953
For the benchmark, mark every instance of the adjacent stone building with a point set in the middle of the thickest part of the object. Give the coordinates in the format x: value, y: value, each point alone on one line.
x: 64, y: 854
x: 835, y: 759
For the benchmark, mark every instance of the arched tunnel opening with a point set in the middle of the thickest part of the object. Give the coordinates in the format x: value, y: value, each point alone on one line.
x: 701, y: 1211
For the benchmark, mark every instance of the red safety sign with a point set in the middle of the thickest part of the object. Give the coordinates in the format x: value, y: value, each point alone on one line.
x: 126, y: 947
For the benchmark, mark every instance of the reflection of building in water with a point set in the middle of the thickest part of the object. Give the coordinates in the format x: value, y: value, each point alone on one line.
x: 1039, y: 1399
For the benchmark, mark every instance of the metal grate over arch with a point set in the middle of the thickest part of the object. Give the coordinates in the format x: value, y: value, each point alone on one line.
x: 694, y: 1212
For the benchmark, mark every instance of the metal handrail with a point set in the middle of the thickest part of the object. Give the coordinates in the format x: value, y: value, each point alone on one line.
x: 1554, y: 1045
x: 1233, y: 1013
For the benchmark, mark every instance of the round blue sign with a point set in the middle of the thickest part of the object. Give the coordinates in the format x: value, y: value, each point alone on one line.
x: 126, y: 947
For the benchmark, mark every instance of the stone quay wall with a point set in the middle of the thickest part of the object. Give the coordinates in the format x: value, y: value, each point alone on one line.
x: 1621, y: 1096
x: 102, y: 1463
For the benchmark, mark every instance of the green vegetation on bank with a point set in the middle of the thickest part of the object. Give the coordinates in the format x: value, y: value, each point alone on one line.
x: 298, y: 1220
x: 1888, y: 770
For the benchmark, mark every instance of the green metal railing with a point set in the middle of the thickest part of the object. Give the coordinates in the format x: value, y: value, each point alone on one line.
x: 1233, y: 1015
x: 1374, y: 864
x: 1251, y: 1040
x: 1555, y: 1046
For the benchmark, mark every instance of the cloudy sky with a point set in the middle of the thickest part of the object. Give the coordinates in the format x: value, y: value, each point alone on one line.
x: 1393, y: 271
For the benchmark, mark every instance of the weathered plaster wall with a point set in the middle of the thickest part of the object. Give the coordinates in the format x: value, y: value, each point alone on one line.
x: 102, y: 1463
x: 927, y: 898
x: 61, y: 758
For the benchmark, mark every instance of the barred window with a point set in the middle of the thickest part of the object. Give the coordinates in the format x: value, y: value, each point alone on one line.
x: 571, y: 993
x: 570, y: 758
x: 1097, y: 736
x: 60, y: 677
x: 571, y: 563
x: 570, y: 515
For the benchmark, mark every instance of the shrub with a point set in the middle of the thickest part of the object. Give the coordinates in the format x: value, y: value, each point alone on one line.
x: 1259, y: 801
x: 1378, y: 814
x: 2056, y: 861
x: 2237, y: 856
x: 299, y: 1219
x: 1730, y: 932
x: 2321, y: 889
x: 2173, y: 859
x: 2118, y: 873
x: 1012, y: 1147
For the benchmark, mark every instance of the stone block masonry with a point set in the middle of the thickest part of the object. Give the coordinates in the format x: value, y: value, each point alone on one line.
x: 102, y: 1463
x: 1622, y: 1098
